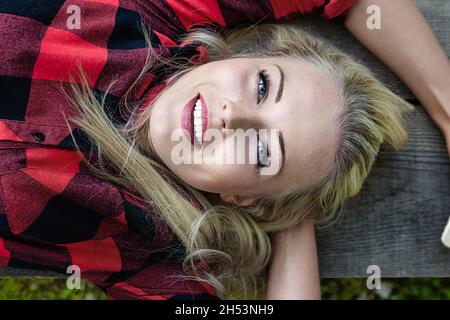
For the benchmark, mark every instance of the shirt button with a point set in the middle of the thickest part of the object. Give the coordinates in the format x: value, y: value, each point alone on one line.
x: 38, y: 136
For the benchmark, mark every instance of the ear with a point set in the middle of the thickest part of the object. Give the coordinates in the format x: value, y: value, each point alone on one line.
x: 237, y: 200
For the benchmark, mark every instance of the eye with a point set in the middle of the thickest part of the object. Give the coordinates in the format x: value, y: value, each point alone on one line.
x: 263, y: 85
x: 263, y: 153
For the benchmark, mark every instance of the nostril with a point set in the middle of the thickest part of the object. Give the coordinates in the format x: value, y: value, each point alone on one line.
x: 223, y: 117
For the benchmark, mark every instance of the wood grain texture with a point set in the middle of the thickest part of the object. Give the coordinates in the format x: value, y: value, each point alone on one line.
x: 397, y: 219
x: 437, y: 13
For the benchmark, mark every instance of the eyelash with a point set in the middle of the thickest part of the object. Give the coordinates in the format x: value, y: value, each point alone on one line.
x: 264, y: 76
x: 260, y: 165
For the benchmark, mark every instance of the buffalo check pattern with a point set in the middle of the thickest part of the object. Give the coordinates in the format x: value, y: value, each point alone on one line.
x: 53, y: 212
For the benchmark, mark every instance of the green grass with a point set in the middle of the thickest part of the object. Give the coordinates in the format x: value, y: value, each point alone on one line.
x: 334, y: 289
x: 393, y: 289
x: 46, y: 289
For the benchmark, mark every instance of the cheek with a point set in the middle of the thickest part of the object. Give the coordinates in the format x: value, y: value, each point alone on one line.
x: 222, y: 177
x: 215, y: 176
x: 159, y: 131
x: 226, y: 78
x: 230, y: 159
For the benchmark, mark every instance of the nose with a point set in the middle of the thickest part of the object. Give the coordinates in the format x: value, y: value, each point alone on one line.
x: 239, y: 114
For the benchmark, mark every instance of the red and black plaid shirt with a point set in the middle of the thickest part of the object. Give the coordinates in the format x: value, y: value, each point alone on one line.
x: 53, y: 212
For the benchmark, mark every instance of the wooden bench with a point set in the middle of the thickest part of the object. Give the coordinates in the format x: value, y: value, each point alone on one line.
x: 397, y: 219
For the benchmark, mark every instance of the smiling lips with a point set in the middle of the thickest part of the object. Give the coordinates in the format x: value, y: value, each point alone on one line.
x: 194, y: 119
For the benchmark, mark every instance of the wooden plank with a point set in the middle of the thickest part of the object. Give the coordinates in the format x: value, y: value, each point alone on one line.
x: 437, y: 13
x: 397, y: 219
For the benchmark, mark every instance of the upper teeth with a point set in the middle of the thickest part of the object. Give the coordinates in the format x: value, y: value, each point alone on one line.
x: 198, y: 131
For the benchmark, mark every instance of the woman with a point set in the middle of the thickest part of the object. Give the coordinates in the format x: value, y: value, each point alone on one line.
x: 136, y: 223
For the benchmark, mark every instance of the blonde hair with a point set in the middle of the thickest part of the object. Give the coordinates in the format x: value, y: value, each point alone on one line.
x: 234, y: 241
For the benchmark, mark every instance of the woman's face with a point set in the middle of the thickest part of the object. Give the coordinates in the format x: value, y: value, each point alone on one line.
x: 300, y: 102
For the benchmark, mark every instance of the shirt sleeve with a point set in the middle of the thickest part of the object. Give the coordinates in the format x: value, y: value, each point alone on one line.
x: 172, y: 16
x: 55, y: 216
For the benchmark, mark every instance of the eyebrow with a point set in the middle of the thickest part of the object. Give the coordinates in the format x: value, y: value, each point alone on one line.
x: 281, y: 142
x: 280, y: 134
x: 281, y: 84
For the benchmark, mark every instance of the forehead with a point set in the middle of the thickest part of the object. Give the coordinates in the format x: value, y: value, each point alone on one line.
x: 307, y: 116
